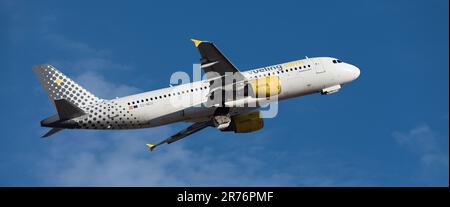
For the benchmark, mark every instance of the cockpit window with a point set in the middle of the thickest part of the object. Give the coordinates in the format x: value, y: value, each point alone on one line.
x: 337, y: 61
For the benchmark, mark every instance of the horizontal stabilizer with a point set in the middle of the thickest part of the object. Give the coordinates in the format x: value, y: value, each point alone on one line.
x: 67, y: 110
x: 51, y: 132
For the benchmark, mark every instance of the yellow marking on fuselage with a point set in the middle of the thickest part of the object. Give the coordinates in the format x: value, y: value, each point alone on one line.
x: 293, y: 63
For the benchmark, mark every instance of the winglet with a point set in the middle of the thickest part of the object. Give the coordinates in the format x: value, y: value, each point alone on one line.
x: 196, y: 42
x: 151, y: 146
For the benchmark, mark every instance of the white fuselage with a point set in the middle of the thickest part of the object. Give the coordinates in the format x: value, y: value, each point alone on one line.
x: 177, y: 103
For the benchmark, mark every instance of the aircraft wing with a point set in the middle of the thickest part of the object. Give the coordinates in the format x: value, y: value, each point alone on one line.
x: 212, y: 60
x: 182, y: 134
x: 223, y: 75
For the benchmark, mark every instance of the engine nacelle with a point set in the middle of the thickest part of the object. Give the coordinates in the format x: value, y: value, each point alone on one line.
x: 266, y: 87
x: 330, y: 90
x: 245, y: 123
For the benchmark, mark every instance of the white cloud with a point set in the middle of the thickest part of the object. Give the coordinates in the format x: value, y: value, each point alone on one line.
x: 420, y: 139
x: 83, y: 56
x: 121, y: 159
x: 97, y: 84
x: 89, y: 61
x: 424, y: 143
x: 73, y: 46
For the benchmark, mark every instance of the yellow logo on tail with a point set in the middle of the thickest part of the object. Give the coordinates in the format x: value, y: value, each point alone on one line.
x: 58, y: 82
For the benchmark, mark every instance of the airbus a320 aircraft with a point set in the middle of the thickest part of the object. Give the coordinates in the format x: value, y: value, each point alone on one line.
x: 205, y: 103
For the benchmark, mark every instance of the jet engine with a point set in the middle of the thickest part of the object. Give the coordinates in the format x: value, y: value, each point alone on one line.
x: 244, y: 123
x: 330, y: 90
x: 266, y: 87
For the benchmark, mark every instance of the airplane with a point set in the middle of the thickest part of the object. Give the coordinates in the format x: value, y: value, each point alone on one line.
x: 201, y: 103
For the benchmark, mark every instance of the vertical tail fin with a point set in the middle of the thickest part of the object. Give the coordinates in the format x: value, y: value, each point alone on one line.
x: 59, y: 86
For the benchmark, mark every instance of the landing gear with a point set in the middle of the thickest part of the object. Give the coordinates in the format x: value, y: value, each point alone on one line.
x: 222, y: 122
x: 222, y: 118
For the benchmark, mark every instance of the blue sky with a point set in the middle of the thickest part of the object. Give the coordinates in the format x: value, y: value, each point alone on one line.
x: 388, y: 128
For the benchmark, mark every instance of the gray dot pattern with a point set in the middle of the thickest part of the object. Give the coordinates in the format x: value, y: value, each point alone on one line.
x: 100, y: 113
x: 59, y: 86
x: 109, y: 115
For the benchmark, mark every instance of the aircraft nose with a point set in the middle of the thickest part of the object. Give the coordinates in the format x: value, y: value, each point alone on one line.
x: 349, y: 73
x: 355, y: 72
